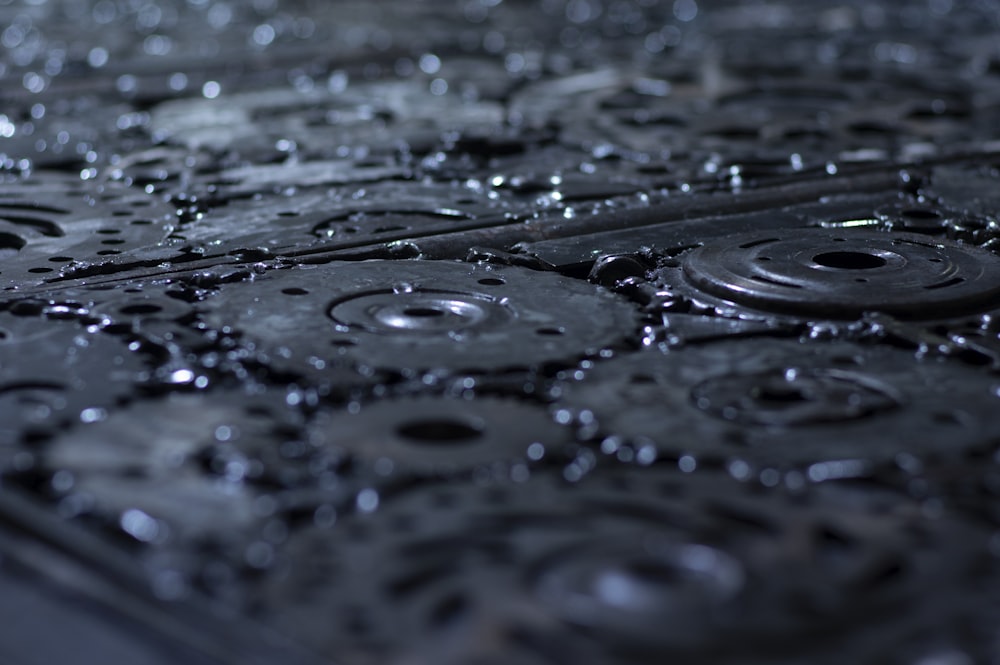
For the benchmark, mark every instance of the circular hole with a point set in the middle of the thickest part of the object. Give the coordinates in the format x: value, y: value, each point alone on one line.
x: 113, y: 241
x: 108, y: 252
x: 423, y: 312
x: 108, y: 232
x: 294, y: 291
x: 39, y: 270
x: 288, y: 213
x: 781, y: 395
x: 141, y: 204
x: 141, y: 222
x: 60, y: 259
x: 121, y: 213
x: 142, y: 308
x: 861, y: 279
x: 550, y: 331
x: 947, y: 418
x: 654, y: 573
x: 849, y: 260
x: 439, y: 430
x: 343, y: 342
x: 492, y: 281
x: 840, y: 240
x: 935, y: 260
x: 763, y: 258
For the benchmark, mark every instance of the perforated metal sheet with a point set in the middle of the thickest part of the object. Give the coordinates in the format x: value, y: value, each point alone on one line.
x: 488, y: 332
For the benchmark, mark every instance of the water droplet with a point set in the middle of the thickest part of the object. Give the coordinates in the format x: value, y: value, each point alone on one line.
x: 367, y: 500
x: 139, y: 525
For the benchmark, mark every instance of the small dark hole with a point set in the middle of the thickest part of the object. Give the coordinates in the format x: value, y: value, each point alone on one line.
x: 441, y: 430
x: 60, y: 259
x: 550, y: 331
x: 778, y: 395
x: 449, y: 610
x: 849, y: 260
x: 947, y: 418
x: 40, y: 270
x: 109, y: 232
x: 654, y: 573
x: 492, y: 281
x: 423, y: 312
x: 294, y: 291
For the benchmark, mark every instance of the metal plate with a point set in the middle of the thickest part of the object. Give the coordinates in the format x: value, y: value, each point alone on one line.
x: 226, y: 430
x: 410, y: 316
x: 842, y: 274
x: 772, y: 402
x: 433, y: 436
x: 633, y: 564
x: 54, y: 372
x: 55, y: 226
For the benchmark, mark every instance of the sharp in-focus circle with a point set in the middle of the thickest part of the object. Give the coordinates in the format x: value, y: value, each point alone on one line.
x: 411, y: 316
x: 439, y: 435
x: 773, y: 401
x: 421, y: 311
x: 844, y: 273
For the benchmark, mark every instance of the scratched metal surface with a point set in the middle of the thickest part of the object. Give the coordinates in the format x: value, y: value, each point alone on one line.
x: 487, y: 331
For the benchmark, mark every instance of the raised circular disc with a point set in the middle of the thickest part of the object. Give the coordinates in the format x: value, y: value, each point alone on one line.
x: 626, y: 586
x: 53, y: 224
x: 790, y: 396
x: 629, y: 564
x: 786, y: 403
x: 440, y: 435
x: 52, y: 370
x: 421, y: 311
x: 844, y: 273
x: 156, y: 456
x: 410, y: 316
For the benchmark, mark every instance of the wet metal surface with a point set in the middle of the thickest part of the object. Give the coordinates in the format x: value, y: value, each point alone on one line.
x: 571, y: 332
